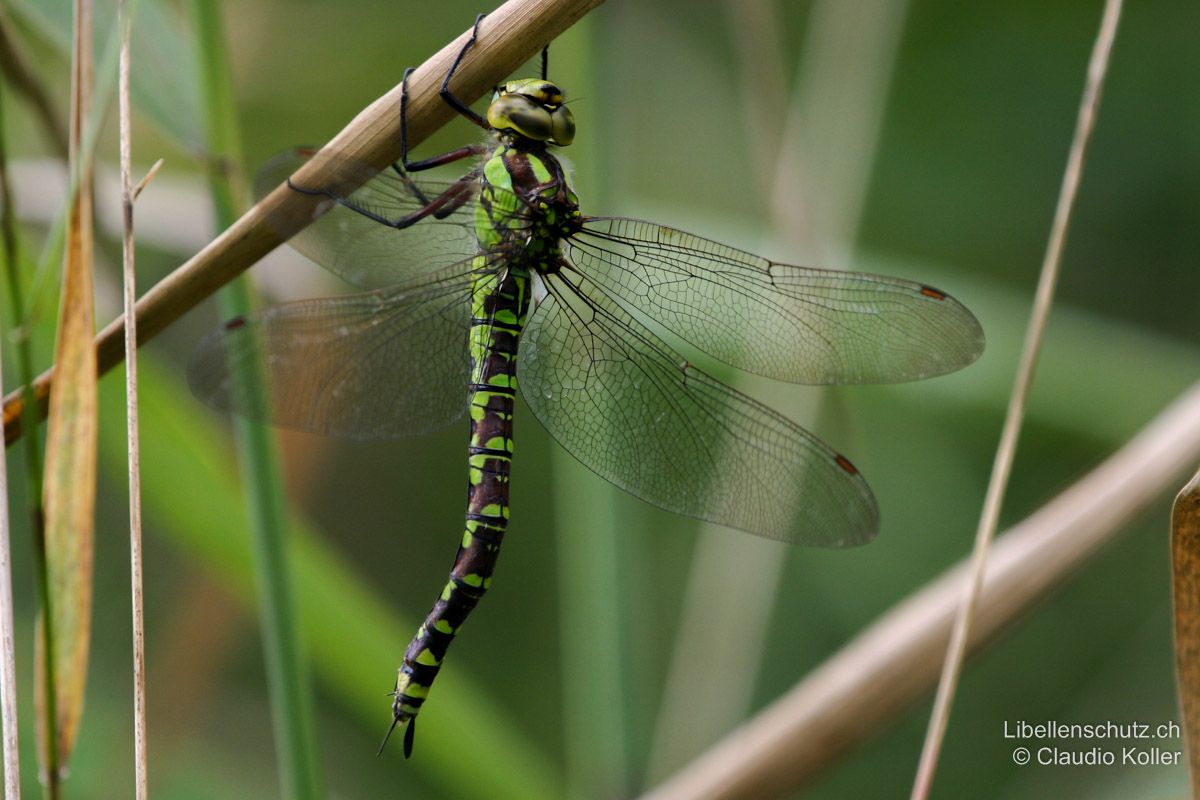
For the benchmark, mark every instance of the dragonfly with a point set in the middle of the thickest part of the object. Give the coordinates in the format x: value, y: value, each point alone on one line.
x: 467, y: 284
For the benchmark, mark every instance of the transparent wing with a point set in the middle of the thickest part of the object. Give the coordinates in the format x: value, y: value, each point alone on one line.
x: 790, y: 323
x: 356, y: 246
x: 376, y: 365
x: 632, y: 410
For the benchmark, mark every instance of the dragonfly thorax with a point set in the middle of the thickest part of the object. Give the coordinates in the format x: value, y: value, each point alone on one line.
x: 526, y: 207
x: 532, y: 108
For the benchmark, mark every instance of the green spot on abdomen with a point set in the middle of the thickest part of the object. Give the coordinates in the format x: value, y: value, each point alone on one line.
x: 416, y: 691
x: 494, y: 510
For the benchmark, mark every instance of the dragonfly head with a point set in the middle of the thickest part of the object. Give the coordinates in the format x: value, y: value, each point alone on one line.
x: 533, y: 108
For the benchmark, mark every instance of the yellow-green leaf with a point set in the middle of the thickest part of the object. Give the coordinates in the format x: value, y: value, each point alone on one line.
x: 69, y: 489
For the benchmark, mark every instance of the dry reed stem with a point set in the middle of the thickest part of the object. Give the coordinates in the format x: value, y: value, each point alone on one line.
x: 509, y: 36
x: 129, y: 275
x: 1002, y: 467
x: 895, y: 662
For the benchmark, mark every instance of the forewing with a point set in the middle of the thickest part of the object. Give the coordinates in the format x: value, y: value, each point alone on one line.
x: 791, y: 323
x: 632, y: 410
x: 376, y: 365
x: 352, y: 240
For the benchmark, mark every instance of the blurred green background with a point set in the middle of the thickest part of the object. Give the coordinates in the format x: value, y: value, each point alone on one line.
x: 923, y: 139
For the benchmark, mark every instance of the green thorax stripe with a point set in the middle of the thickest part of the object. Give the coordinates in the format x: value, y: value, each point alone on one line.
x: 534, y: 192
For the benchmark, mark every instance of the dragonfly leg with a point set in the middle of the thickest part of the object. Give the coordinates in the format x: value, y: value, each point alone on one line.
x: 458, y: 154
x: 449, y: 96
x: 450, y: 99
x: 442, y: 206
x: 405, y: 165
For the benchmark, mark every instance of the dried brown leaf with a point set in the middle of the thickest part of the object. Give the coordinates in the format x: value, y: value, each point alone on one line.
x: 69, y: 490
x: 1185, y: 571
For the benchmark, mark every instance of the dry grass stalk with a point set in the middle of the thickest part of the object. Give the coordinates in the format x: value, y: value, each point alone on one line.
x: 128, y: 193
x: 1006, y: 450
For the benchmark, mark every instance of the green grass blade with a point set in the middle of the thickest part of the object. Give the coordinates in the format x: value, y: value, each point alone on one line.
x: 287, y: 667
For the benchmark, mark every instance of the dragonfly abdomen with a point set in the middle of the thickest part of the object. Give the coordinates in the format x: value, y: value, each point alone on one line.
x: 499, y: 305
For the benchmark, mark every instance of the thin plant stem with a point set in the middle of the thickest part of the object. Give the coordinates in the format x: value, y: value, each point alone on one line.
x: 1002, y: 466
x: 125, y: 14
x: 289, y: 681
x: 8, y: 660
x: 27, y: 413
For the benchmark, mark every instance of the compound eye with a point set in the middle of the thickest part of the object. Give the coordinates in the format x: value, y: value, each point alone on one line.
x: 518, y: 112
x: 563, y: 123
